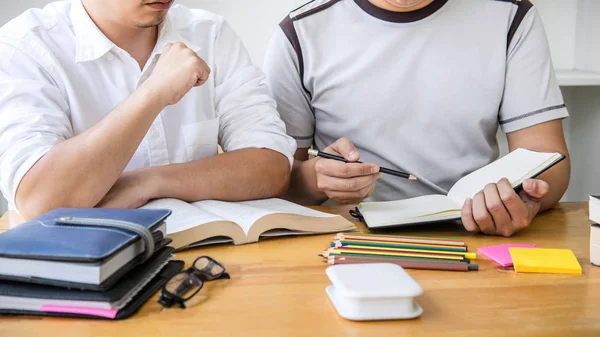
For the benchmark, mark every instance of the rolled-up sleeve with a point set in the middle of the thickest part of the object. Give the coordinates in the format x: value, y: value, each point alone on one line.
x: 247, y: 113
x: 33, y: 117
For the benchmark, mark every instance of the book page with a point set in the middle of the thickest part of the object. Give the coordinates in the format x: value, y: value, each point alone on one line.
x: 516, y: 166
x: 246, y: 213
x: 244, y: 216
x: 184, y: 216
x: 210, y: 241
x: 283, y: 206
x: 388, y: 213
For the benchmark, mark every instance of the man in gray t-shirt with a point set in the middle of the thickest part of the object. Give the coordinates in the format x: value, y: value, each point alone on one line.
x: 420, y: 86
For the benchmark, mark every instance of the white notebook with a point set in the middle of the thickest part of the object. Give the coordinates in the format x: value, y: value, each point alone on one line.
x: 209, y: 222
x: 595, y: 209
x: 517, y: 166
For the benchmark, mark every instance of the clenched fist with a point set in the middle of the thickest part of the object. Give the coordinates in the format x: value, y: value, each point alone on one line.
x: 178, y: 70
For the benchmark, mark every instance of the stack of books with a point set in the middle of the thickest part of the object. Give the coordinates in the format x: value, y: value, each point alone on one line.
x: 595, y: 230
x: 85, y: 263
x: 406, y: 251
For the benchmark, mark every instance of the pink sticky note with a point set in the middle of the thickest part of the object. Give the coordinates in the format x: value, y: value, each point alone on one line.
x: 108, y: 313
x: 500, y: 254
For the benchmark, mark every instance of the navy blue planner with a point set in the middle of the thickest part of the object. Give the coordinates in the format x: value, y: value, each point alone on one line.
x: 44, y: 251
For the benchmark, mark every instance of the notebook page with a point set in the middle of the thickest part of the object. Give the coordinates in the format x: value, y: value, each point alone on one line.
x: 184, y: 216
x: 515, y: 166
x: 388, y: 213
x: 246, y: 213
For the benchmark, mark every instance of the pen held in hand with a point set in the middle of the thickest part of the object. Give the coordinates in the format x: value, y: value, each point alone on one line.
x: 400, y: 174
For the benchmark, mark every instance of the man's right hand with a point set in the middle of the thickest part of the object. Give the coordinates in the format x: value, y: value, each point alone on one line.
x: 177, y: 71
x: 346, y: 183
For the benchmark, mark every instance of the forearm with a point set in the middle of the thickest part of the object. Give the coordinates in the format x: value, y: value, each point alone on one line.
x: 558, y: 178
x: 303, y: 187
x: 546, y: 137
x: 78, y: 172
x: 233, y: 176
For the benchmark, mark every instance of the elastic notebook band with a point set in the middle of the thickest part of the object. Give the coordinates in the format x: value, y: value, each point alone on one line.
x: 137, y: 229
x: 355, y: 213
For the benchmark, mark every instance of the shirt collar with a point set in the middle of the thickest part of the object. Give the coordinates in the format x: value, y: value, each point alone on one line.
x: 168, y: 33
x: 91, y: 42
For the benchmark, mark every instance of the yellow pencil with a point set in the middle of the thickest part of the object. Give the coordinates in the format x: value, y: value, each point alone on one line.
x: 337, y: 251
x: 470, y: 256
x: 392, y: 238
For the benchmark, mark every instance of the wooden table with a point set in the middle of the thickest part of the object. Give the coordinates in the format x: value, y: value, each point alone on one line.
x: 278, y: 289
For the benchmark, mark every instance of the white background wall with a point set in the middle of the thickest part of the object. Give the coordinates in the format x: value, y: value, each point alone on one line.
x: 566, y: 24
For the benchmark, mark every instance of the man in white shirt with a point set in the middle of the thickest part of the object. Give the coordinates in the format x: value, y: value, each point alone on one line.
x: 420, y: 86
x: 90, y: 89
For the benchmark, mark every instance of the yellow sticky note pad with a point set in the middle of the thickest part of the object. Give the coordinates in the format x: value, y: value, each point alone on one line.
x: 539, y: 260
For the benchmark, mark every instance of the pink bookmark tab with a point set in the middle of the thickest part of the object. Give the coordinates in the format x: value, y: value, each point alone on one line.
x: 107, y: 313
x: 500, y: 254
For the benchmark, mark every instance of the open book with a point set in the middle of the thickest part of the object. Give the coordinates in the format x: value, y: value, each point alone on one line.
x: 208, y: 222
x: 517, y: 166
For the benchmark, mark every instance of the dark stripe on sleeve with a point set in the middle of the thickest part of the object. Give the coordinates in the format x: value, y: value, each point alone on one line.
x: 302, y: 137
x: 533, y: 113
x: 287, y: 25
x: 315, y: 10
x: 306, y: 4
x: 524, y: 7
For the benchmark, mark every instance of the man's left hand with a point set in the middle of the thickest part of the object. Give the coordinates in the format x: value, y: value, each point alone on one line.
x: 132, y: 190
x: 499, y: 210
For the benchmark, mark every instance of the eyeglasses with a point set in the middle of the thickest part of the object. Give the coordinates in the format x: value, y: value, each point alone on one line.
x: 185, y: 285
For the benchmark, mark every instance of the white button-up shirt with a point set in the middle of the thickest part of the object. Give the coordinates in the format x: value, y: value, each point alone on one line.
x: 59, y: 75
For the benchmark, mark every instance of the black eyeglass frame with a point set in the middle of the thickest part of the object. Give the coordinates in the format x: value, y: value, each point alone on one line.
x: 167, y: 299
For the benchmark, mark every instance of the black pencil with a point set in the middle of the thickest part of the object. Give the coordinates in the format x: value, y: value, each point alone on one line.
x: 400, y: 174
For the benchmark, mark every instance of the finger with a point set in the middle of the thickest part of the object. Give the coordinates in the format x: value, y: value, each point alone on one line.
x: 180, y: 45
x: 467, y: 216
x: 333, y: 168
x: 482, y: 216
x: 167, y: 47
x: 536, y: 188
x: 202, y: 77
x: 370, y: 192
x: 514, y: 205
x: 497, y: 210
x: 346, y: 149
x: 347, y: 185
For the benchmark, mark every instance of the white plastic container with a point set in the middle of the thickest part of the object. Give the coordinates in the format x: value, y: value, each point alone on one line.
x: 379, y: 291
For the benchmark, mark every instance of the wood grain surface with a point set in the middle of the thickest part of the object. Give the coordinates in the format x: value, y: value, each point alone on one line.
x: 278, y: 289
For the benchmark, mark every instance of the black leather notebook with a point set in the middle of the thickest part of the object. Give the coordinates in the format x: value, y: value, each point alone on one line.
x: 126, y: 297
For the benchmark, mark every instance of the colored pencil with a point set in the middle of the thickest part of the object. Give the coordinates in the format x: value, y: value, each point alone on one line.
x: 467, y: 255
x: 334, y: 251
x: 345, y: 243
x: 384, y: 257
x: 397, y: 239
x: 449, y: 266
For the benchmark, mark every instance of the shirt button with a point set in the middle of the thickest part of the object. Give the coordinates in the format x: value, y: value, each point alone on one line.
x: 110, y: 57
x: 154, y: 133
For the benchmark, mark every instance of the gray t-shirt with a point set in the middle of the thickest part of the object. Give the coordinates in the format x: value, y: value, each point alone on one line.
x: 423, y: 92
